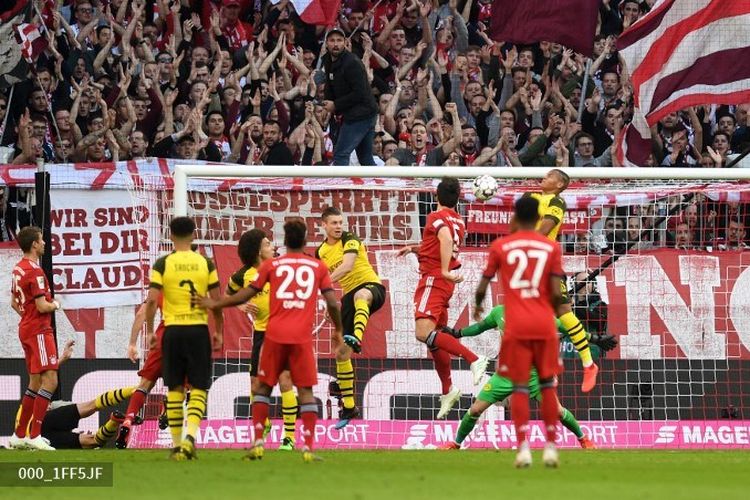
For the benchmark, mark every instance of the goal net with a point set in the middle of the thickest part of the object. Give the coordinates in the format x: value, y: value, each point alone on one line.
x: 659, y: 264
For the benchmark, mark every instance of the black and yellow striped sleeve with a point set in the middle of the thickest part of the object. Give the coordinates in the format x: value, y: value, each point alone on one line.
x: 350, y: 243
x: 236, y: 281
x: 157, y: 273
x: 213, y: 275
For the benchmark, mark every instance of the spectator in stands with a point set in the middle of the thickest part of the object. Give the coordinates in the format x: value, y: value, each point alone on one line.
x: 584, y: 153
x: 348, y: 94
x: 683, y: 237
x: 615, y: 235
x: 274, y: 151
x: 734, y: 237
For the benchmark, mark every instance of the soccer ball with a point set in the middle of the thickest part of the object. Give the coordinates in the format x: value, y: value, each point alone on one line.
x: 484, y: 187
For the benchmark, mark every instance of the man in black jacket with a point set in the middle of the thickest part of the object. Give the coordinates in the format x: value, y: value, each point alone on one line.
x: 348, y: 93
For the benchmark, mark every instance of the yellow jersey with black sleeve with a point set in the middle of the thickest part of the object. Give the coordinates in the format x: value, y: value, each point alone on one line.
x: 333, y: 256
x: 551, y: 206
x: 262, y: 300
x: 179, y: 275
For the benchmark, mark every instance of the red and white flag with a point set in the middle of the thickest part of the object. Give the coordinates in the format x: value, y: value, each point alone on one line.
x: 318, y: 12
x: 33, y: 42
x: 683, y: 53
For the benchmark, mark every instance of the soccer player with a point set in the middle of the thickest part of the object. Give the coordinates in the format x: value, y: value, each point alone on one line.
x: 186, y: 344
x: 295, y: 279
x: 551, y: 212
x: 438, y: 261
x: 364, y: 294
x: 255, y: 248
x: 31, y: 298
x: 149, y: 373
x: 499, y: 388
x: 530, y: 269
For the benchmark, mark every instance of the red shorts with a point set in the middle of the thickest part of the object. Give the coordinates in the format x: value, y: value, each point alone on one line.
x: 517, y: 356
x: 152, y: 367
x: 299, y: 359
x: 40, y: 351
x: 432, y: 297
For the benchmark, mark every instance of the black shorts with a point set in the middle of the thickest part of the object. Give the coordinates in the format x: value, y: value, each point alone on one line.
x: 258, y: 337
x: 58, y: 427
x: 186, y: 356
x: 347, y: 304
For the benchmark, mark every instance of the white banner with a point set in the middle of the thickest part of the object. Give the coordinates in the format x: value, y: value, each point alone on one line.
x: 97, y: 242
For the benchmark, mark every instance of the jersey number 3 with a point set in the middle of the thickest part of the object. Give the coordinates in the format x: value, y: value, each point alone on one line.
x: 519, y: 258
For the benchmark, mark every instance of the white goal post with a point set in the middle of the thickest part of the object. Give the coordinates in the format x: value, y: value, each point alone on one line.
x: 183, y: 172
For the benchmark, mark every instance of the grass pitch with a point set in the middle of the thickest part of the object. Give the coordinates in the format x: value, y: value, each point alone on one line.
x: 399, y: 475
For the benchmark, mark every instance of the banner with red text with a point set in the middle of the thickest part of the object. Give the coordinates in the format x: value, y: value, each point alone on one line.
x: 97, y: 247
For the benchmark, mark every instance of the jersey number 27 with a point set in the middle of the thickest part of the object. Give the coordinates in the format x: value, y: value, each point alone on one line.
x: 522, y: 260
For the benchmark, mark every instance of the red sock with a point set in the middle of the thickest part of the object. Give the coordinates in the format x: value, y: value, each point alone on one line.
x: 443, y: 368
x: 27, y: 409
x: 519, y: 409
x: 549, y: 413
x: 451, y: 344
x: 41, y: 403
x: 136, y: 403
x: 308, y: 420
x: 260, y: 414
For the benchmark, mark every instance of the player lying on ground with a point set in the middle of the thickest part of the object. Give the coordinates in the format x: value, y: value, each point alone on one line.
x: 295, y: 279
x: 253, y: 249
x: 551, y: 213
x: 498, y: 388
x: 31, y: 299
x: 364, y: 294
x: 187, y: 343
x: 438, y: 266
x: 63, y: 417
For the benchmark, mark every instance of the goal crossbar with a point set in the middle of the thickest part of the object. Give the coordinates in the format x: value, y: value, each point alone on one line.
x: 183, y: 172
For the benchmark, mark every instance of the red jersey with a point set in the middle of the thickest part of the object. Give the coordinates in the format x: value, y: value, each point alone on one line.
x: 30, y: 282
x: 526, y: 261
x: 295, y: 280
x: 429, y: 251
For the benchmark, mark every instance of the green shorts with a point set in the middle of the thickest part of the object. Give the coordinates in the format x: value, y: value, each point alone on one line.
x: 499, y: 388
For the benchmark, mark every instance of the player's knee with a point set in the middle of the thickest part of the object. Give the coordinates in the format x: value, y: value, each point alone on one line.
x: 363, y: 295
x: 146, y: 384
x: 49, y: 380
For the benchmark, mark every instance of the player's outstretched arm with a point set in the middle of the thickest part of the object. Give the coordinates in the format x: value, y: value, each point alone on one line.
x: 152, y: 301
x: 240, y: 297
x: 135, y: 330
x: 67, y: 352
x: 217, y: 340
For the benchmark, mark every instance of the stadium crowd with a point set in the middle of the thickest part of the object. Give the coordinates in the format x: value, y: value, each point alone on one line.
x: 249, y: 82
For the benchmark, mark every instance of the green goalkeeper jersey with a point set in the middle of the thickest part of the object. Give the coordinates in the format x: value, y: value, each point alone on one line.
x: 496, y: 319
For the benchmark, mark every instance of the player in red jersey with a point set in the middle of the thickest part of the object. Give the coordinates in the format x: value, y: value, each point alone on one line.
x: 295, y: 278
x: 31, y: 298
x: 149, y: 373
x: 529, y: 266
x: 438, y: 261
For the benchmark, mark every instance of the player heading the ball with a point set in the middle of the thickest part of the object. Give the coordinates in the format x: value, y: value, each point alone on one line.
x: 529, y: 268
x: 438, y: 263
x: 295, y: 279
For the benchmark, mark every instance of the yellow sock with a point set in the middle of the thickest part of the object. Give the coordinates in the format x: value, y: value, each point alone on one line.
x: 175, y: 415
x: 106, y: 432
x: 111, y: 398
x: 289, y: 412
x: 196, y: 409
x: 345, y: 376
x: 361, y: 316
x: 578, y: 336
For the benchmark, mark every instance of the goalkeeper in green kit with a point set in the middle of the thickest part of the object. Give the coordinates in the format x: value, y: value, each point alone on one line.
x: 499, y: 388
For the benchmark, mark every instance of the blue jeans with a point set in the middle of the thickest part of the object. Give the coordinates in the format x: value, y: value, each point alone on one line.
x: 356, y: 135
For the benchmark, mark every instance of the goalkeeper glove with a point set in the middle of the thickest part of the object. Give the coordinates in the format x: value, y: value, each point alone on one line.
x: 604, y: 341
x: 454, y: 332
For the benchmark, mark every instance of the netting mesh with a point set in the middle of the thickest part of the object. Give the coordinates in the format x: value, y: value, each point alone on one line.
x: 658, y: 264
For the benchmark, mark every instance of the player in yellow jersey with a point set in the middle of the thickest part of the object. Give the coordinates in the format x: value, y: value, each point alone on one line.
x: 551, y: 212
x: 186, y: 344
x: 253, y: 249
x: 346, y: 257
